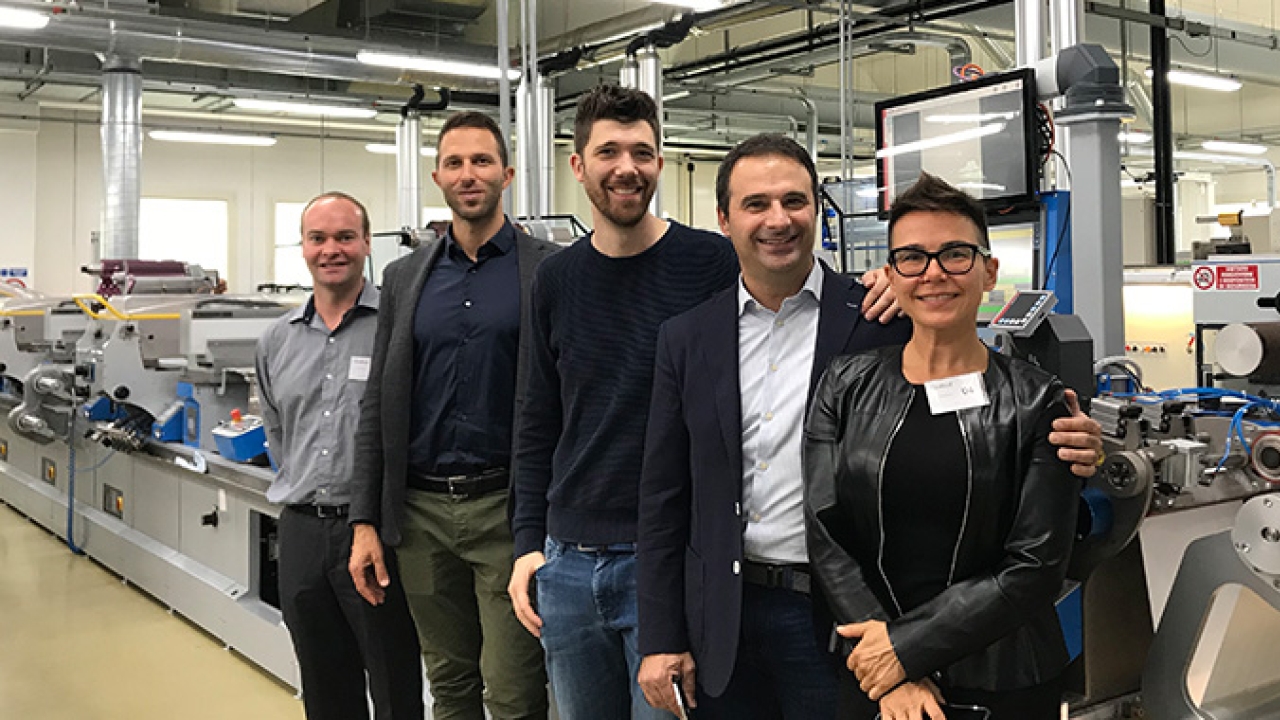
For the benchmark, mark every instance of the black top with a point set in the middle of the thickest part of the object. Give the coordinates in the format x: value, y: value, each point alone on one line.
x: 466, y: 331
x: 925, y: 489
x: 595, y: 326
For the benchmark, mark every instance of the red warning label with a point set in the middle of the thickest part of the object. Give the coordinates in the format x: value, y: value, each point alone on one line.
x: 1225, y: 277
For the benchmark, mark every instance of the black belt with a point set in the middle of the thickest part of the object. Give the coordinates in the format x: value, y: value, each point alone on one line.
x: 464, y: 486
x: 787, y: 577
x: 322, y: 511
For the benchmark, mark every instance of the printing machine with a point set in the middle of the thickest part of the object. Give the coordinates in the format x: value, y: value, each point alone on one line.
x: 115, y: 402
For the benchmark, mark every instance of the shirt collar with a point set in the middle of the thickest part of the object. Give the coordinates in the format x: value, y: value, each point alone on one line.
x: 502, y: 241
x: 812, y: 288
x: 368, y: 300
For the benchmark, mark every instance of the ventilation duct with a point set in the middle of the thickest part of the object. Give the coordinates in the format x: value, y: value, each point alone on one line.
x: 121, y: 156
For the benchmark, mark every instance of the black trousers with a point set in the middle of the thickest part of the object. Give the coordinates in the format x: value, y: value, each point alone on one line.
x: 337, y: 635
x: 1041, y: 702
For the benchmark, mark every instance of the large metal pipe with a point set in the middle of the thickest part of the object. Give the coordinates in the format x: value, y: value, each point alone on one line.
x: 1029, y: 31
x: 650, y: 81
x: 545, y: 139
x: 1066, y: 24
x: 1162, y: 139
x: 526, y: 156
x: 502, y: 8
x: 409, y: 169
x: 121, y: 156
x: 810, y: 124
x: 152, y: 38
x: 629, y: 72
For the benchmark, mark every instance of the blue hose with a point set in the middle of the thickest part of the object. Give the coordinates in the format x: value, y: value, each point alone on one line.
x: 71, y: 484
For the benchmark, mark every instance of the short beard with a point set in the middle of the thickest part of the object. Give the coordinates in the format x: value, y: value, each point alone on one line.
x: 599, y: 198
x: 485, y: 211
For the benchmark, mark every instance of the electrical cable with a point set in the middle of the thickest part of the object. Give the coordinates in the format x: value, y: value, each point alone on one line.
x: 71, y: 483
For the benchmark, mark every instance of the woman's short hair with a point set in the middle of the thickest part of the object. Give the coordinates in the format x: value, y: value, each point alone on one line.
x: 933, y: 194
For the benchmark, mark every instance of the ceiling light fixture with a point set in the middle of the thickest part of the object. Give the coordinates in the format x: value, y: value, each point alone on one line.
x: 23, y: 19
x: 1134, y: 137
x: 1203, y: 81
x: 696, y: 5
x: 1239, y: 148
x: 388, y: 149
x: 435, y: 65
x: 211, y: 138
x: 301, y: 108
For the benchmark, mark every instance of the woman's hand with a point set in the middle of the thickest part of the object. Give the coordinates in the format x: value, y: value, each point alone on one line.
x: 913, y: 701
x: 873, y: 659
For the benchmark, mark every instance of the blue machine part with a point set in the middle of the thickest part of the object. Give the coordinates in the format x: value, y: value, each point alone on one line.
x: 1101, y: 516
x: 101, y: 409
x: 190, y: 415
x: 1071, y: 618
x: 1057, y: 248
x: 168, y: 427
x: 241, y: 441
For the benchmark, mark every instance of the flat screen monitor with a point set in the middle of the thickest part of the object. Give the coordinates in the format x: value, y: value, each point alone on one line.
x: 1015, y: 245
x: 978, y: 136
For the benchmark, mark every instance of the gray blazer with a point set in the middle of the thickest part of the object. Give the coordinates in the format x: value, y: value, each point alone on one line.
x: 382, y: 442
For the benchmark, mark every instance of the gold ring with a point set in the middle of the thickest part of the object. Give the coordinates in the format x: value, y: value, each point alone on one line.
x: 1102, y: 457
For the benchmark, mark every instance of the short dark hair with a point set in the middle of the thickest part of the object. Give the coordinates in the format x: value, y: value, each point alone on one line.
x: 762, y: 145
x: 479, y: 121
x: 933, y: 194
x: 337, y: 195
x: 613, y: 102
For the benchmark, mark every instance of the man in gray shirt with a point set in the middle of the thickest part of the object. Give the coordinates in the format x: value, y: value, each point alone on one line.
x: 312, y: 366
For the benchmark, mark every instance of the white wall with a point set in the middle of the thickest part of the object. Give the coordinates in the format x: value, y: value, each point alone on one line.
x: 17, y: 211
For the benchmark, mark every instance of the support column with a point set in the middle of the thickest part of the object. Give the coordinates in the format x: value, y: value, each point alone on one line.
x: 526, y: 154
x: 121, y: 156
x: 650, y: 81
x: 1029, y: 31
x: 1162, y: 138
x: 545, y: 139
x: 409, y: 169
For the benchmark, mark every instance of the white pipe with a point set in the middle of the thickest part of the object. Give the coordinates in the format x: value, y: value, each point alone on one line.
x: 526, y: 133
x: 650, y: 81
x: 545, y: 138
x: 409, y: 169
x: 121, y: 156
x: 1029, y: 31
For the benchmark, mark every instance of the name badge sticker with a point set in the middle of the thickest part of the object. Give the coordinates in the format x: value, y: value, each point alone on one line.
x: 956, y: 393
x: 359, y: 368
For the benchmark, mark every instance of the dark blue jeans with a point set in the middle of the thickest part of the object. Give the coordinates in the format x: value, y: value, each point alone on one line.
x: 587, y: 601
x: 780, y: 672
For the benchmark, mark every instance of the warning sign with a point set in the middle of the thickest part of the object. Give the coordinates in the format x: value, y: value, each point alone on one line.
x: 1225, y: 277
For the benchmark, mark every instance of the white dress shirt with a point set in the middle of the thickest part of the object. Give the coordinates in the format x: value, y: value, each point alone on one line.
x: 775, y: 360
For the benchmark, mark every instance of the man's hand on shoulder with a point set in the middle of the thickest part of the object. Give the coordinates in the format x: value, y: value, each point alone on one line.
x: 367, y: 567
x: 880, y: 303
x: 519, y: 587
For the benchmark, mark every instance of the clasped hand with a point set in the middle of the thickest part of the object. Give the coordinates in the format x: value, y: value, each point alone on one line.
x: 873, y: 660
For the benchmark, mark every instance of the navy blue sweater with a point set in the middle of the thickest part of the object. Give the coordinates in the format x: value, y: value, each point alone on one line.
x: 595, y: 327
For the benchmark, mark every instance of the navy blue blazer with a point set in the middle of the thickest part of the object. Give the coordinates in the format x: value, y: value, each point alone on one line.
x: 689, y: 549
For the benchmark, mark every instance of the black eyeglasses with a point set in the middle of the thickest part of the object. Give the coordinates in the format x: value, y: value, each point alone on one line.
x: 954, y: 258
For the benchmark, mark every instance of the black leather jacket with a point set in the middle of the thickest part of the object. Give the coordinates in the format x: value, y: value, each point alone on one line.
x: 994, y: 628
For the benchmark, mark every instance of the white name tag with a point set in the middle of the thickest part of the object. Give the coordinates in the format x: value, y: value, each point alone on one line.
x: 359, y: 369
x: 956, y: 393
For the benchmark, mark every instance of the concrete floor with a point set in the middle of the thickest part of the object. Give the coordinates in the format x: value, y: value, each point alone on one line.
x: 78, y: 644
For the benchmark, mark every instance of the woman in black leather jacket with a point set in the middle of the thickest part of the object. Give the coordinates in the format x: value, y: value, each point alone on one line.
x: 940, y: 521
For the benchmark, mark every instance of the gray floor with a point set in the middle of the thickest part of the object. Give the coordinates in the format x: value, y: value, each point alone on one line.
x: 77, y: 644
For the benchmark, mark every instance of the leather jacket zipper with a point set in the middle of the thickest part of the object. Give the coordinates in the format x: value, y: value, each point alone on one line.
x: 884, y: 457
x: 968, y: 497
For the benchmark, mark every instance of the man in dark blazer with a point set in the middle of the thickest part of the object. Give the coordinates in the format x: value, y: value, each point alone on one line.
x: 724, y: 592
x: 434, y: 446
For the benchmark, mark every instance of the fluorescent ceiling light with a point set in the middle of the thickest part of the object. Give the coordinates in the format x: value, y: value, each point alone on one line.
x: 22, y: 19
x: 698, y: 5
x: 1204, y: 81
x: 211, y: 138
x: 1239, y: 148
x: 435, y: 65
x: 981, y: 186
x: 950, y: 138
x: 1134, y: 137
x: 1213, y: 157
x: 971, y: 118
x: 300, y: 108
x: 677, y: 95
x: 387, y: 149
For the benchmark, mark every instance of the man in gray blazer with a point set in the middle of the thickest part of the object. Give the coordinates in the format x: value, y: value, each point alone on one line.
x: 433, y: 455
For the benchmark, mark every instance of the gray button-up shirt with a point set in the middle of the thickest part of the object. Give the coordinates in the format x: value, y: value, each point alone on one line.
x: 310, y: 381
